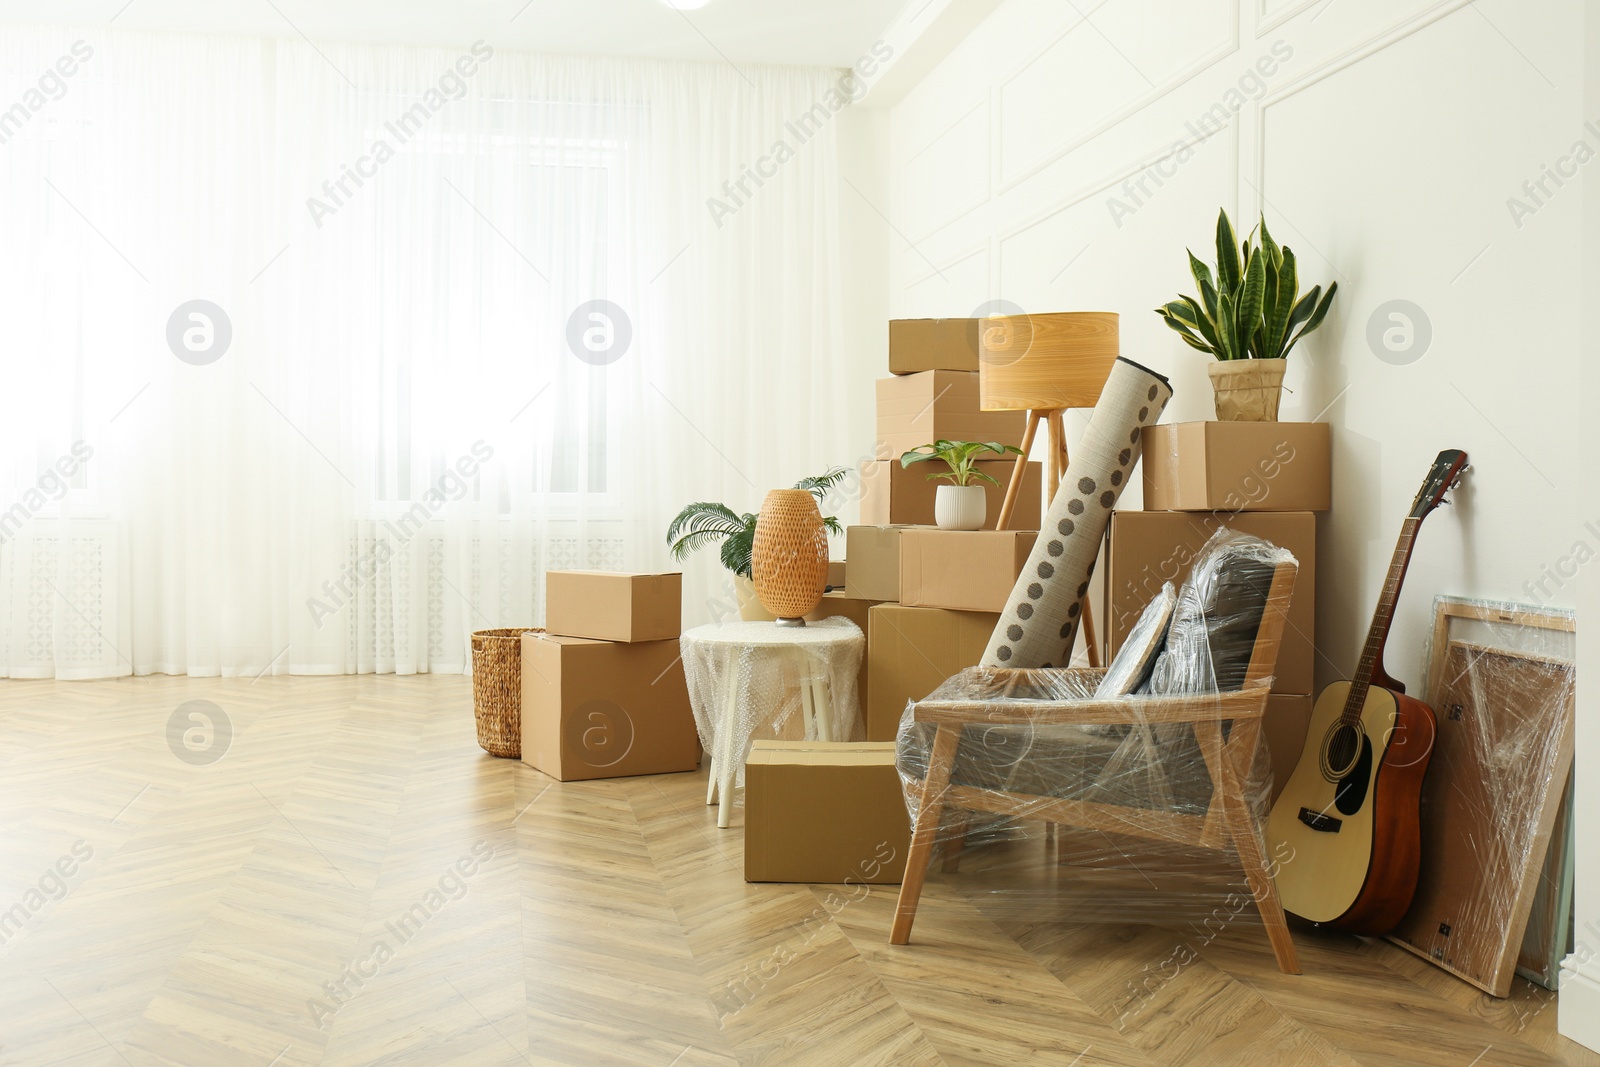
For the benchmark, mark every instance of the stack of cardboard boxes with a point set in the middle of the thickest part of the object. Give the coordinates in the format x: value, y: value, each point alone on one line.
x: 603, y: 691
x: 1267, y: 479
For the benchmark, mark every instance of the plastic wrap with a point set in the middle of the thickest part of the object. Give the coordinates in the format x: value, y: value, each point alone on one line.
x: 1139, y: 761
x: 750, y: 680
x: 1494, y: 894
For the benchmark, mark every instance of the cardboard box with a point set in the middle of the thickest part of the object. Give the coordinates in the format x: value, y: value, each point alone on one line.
x: 935, y: 405
x: 1284, y: 728
x: 874, y: 570
x: 891, y: 494
x: 912, y: 651
x: 933, y: 344
x: 611, y: 606
x: 824, y: 812
x: 856, y: 610
x: 836, y: 574
x: 1146, y: 548
x: 964, y: 571
x: 1238, y: 466
x: 604, y: 709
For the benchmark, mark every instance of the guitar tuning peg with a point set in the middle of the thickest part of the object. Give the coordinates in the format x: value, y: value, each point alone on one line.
x: 1445, y: 500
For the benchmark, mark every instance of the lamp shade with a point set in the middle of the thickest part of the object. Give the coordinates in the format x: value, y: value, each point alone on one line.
x: 1046, y: 362
x: 789, y: 556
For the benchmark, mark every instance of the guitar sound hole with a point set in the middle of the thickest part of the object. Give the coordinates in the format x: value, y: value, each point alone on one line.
x: 1340, y: 751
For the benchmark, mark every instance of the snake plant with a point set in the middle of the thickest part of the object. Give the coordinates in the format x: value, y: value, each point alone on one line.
x: 1252, y: 308
x: 706, y: 523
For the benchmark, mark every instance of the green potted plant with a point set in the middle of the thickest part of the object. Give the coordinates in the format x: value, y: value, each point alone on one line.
x: 1249, y: 315
x: 961, y: 505
x: 701, y: 524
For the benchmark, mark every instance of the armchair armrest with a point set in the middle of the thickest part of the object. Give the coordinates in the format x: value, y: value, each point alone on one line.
x: 983, y: 696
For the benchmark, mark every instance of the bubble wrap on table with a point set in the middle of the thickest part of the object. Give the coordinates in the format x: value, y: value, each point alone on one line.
x: 758, y: 669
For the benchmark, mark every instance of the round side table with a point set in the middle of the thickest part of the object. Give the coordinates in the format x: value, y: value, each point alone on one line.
x: 747, y: 678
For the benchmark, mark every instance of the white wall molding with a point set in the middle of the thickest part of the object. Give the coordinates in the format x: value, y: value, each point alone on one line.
x: 960, y: 208
x: 1268, y: 20
x: 1138, y: 104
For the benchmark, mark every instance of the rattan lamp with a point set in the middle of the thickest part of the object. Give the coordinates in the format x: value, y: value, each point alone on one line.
x: 1045, y: 364
x: 789, y: 555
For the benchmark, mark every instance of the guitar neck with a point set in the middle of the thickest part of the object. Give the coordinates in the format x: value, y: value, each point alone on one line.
x: 1382, y: 616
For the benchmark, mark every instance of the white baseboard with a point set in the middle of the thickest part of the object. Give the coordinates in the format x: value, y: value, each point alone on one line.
x: 1578, y: 1009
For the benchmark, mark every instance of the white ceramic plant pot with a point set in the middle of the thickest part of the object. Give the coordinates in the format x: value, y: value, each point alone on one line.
x: 750, y: 609
x: 960, y: 507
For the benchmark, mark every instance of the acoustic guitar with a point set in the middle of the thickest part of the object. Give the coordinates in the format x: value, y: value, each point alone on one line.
x: 1348, y: 820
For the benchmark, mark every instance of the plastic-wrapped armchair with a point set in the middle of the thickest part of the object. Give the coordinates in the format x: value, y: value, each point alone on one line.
x: 1069, y: 736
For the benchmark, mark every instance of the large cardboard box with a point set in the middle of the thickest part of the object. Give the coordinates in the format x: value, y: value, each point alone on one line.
x: 933, y: 344
x: 1146, y: 548
x: 604, y: 709
x: 1284, y: 728
x: 912, y: 651
x: 965, y: 571
x: 611, y: 606
x: 873, y: 568
x: 855, y: 609
x: 935, y: 405
x: 1238, y: 466
x: 894, y: 495
x: 824, y: 812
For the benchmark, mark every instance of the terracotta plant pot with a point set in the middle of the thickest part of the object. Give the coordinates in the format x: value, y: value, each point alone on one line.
x: 1247, y: 390
x: 960, y: 507
x: 789, y: 557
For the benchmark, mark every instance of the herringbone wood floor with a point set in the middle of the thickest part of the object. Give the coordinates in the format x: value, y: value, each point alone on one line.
x: 231, y: 913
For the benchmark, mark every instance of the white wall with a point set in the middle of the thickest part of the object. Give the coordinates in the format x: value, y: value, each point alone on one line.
x: 1580, y: 994
x: 1384, y: 145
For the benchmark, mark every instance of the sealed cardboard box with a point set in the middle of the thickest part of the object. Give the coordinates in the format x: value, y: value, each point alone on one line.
x: 1284, y: 728
x: 965, y: 571
x: 933, y: 344
x: 874, y: 570
x: 836, y: 574
x: 911, y: 651
x: 605, y: 709
x: 1146, y: 548
x: 1238, y: 466
x: 855, y: 609
x: 939, y: 405
x: 891, y: 494
x: 611, y: 606
x: 824, y: 812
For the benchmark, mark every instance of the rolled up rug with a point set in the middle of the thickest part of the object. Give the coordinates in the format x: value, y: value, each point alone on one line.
x: 1041, y: 618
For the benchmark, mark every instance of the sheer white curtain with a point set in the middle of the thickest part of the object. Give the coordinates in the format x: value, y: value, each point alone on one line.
x: 424, y: 403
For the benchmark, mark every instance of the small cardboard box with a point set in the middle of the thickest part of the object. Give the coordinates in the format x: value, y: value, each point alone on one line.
x: 836, y: 574
x: 824, y: 812
x: 965, y: 571
x: 1284, y: 728
x: 912, y: 651
x: 917, y: 345
x: 611, y: 606
x: 1238, y: 466
x: 605, y: 709
x: 1147, y: 548
x: 874, y: 570
x: 935, y: 405
x: 891, y: 494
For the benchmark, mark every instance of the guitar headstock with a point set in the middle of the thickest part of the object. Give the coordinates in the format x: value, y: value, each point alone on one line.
x: 1446, y: 474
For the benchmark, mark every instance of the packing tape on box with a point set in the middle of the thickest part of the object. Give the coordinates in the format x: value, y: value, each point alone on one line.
x: 1041, y: 618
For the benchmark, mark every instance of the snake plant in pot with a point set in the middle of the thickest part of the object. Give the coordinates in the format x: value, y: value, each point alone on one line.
x: 1249, y: 314
x: 705, y: 523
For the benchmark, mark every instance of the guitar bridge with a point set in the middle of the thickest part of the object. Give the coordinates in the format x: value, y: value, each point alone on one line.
x: 1319, y: 822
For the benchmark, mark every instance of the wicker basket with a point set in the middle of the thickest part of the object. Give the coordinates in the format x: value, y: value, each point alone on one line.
x: 497, y: 689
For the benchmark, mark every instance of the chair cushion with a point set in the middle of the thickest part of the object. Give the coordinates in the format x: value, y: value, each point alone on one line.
x: 1219, y: 609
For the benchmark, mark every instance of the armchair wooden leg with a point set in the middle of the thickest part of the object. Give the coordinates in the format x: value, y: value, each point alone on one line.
x: 1247, y: 841
x: 941, y: 761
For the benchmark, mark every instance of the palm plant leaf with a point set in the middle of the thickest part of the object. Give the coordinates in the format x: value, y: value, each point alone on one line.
x: 702, y: 524
x: 736, y: 551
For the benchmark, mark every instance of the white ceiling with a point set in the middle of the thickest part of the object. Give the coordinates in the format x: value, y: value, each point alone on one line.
x: 830, y: 33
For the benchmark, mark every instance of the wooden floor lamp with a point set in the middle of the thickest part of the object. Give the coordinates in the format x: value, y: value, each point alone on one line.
x: 1044, y: 365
